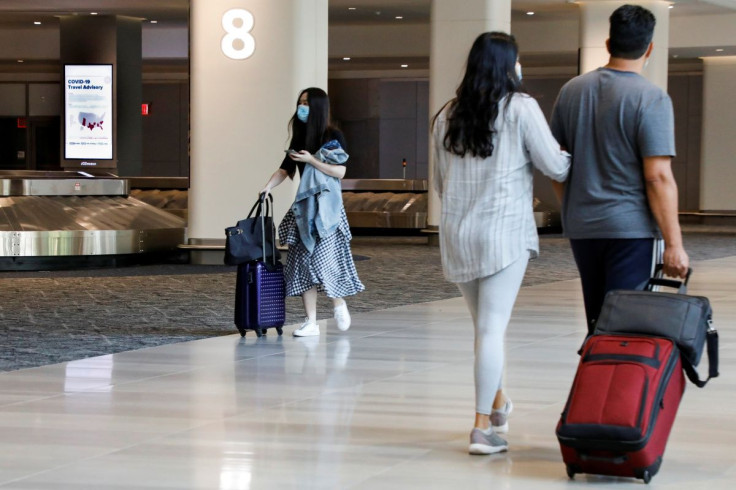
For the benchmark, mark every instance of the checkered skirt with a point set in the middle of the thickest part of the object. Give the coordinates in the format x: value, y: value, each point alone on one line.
x: 330, y: 266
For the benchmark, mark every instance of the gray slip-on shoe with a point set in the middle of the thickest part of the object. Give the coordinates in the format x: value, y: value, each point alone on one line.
x: 480, y: 443
x: 500, y: 418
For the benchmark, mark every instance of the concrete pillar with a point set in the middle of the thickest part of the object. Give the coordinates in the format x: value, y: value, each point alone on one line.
x: 594, y: 28
x: 249, y: 61
x: 114, y: 40
x: 454, y: 27
x: 718, y: 148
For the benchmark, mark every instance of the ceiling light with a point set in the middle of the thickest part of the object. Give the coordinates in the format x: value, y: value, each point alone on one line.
x: 347, y: 58
x: 675, y: 55
x: 671, y: 7
x: 37, y: 22
x: 20, y: 61
x: 154, y: 22
x: 351, y: 8
x: 530, y: 13
x: 404, y: 66
x: 93, y: 13
x: 719, y: 50
x: 399, y: 17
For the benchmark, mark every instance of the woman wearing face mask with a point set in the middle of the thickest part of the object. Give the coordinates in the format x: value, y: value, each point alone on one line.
x: 486, y: 142
x: 316, y: 227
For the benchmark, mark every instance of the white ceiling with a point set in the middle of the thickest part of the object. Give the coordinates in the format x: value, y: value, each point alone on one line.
x: 22, y: 13
x: 366, y: 11
x: 20, y: 10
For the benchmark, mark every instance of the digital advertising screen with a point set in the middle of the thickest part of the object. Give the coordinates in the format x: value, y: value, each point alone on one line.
x: 88, y: 110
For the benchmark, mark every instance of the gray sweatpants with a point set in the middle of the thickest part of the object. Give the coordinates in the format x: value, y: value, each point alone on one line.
x: 491, y: 300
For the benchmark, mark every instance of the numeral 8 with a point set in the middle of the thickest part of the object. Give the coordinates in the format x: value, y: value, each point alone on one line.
x: 235, y: 33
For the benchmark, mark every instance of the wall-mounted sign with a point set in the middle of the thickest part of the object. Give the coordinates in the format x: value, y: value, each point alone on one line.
x: 238, y: 43
x: 88, y: 112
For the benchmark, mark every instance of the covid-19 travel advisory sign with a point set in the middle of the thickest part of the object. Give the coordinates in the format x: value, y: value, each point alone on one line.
x: 88, y: 103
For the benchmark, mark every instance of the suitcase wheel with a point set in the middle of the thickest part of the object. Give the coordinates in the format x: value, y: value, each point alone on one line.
x: 646, y: 476
x: 258, y: 332
x: 570, y: 471
x: 264, y: 331
x: 242, y: 332
x: 279, y: 330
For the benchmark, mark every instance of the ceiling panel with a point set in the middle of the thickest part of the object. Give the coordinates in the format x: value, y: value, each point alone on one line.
x: 23, y: 13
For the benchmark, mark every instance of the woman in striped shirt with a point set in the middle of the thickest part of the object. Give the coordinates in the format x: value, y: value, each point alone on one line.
x: 487, y: 140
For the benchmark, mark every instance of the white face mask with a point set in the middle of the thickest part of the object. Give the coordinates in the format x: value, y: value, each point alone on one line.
x: 518, y: 70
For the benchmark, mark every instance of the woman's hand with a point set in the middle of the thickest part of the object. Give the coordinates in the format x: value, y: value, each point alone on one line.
x: 303, y: 156
x: 337, y: 171
x: 265, y: 191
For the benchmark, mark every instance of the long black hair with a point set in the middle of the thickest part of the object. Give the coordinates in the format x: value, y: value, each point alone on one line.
x: 317, y: 128
x: 490, y: 75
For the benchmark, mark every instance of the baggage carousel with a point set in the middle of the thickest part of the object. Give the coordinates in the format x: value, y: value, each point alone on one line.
x: 398, y: 204
x: 67, y: 219
x: 385, y: 203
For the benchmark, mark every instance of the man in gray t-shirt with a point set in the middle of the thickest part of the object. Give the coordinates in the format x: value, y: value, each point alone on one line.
x: 621, y: 195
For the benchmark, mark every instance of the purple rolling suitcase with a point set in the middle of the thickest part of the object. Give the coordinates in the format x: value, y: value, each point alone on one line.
x: 260, y: 292
x: 260, y: 297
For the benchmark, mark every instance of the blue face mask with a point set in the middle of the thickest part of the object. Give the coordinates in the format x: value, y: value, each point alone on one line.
x: 302, y: 113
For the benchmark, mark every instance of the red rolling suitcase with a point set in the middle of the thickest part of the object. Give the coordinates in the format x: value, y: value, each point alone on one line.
x: 621, y: 406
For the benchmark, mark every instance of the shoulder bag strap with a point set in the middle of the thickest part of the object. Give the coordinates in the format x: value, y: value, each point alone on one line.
x: 257, y: 206
x: 712, y: 344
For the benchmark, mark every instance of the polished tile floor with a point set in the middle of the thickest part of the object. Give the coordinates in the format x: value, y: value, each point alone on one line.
x: 386, y: 405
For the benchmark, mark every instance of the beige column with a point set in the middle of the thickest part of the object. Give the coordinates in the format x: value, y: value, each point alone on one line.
x: 594, y: 27
x: 454, y: 27
x: 249, y: 60
x: 718, y: 147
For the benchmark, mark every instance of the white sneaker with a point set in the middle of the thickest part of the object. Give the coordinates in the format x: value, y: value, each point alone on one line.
x: 307, y: 329
x: 342, y: 315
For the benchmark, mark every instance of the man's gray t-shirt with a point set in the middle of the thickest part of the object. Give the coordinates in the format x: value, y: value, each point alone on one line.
x: 610, y: 120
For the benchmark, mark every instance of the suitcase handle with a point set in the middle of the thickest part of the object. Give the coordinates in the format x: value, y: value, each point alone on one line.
x: 659, y: 280
x: 262, y: 200
x: 257, y: 207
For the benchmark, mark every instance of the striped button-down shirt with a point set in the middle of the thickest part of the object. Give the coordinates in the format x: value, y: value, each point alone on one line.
x: 487, y: 219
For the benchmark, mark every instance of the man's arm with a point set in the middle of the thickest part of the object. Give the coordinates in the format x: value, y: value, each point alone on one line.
x: 662, y: 194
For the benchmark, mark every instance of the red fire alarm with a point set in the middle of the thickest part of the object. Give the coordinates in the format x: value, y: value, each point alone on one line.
x: 22, y: 123
x: 144, y: 109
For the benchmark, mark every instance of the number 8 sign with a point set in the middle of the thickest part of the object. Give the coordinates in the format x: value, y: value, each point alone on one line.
x: 238, y: 33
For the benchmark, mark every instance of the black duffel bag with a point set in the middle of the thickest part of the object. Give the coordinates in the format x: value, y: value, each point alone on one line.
x: 687, y: 320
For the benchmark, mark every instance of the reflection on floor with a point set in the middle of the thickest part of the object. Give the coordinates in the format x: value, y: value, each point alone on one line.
x: 386, y: 405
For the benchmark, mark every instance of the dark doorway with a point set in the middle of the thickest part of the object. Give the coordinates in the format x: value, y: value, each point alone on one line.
x: 44, y: 143
x: 30, y: 143
x: 13, y: 144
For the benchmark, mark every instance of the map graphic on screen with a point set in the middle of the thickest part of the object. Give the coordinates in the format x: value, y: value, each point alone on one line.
x: 91, y: 120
